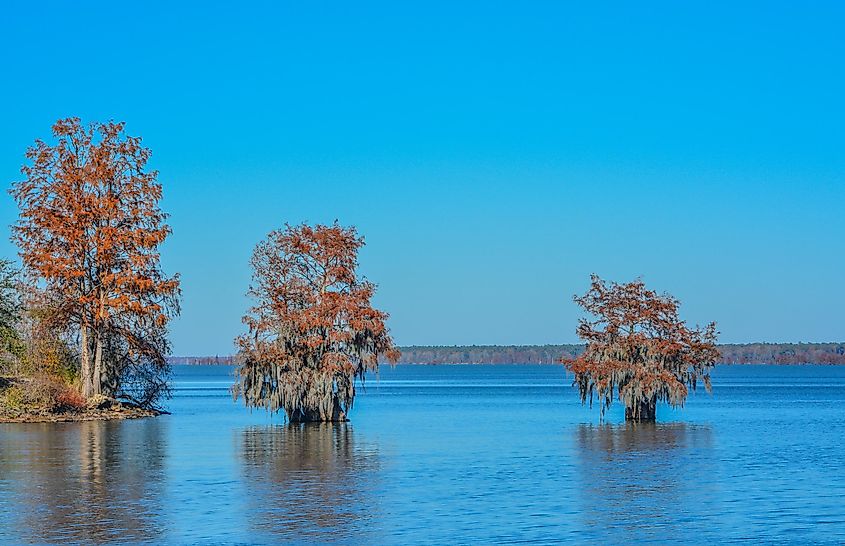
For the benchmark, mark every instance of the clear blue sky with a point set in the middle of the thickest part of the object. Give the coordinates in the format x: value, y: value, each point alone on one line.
x: 492, y: 154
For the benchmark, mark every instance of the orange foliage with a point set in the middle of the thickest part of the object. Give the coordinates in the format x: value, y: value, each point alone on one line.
x: 638, y: 349
x: 312, y: 330
x: 69, y: 399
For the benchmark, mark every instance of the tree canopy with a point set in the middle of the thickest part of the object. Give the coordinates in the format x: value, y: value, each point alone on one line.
x: 638, y: 349
x: 312, y: 328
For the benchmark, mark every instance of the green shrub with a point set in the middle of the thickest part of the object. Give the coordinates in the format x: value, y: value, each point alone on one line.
x: 12, y: 399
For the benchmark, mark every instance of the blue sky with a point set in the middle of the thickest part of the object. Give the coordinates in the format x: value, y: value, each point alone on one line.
x: 493, y: 154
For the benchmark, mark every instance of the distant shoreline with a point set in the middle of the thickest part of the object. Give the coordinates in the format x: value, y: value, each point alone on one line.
x: 748, y: 353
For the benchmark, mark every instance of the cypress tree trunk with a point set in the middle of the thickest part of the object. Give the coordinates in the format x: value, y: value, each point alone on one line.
x: 97, y: 375
x: 85, y: 363
x: 642, y: 410
x: 97, y: 372
x: 337, y: 413
x: 315, y: 415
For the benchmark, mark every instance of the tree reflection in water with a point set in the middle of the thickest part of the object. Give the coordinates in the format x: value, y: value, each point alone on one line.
x: 310, y: 481
x: 639, y: 480
x: 83, y: 482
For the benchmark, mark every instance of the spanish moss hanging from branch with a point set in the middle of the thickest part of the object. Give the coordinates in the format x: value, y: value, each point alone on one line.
x: 639, y: 350
x: 312, y: 329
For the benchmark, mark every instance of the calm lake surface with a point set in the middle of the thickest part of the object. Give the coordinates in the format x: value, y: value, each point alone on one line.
x: 444, y: 454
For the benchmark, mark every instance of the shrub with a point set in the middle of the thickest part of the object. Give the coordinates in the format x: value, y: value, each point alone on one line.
x: 12, y: 399
x: 40, y: 394
x: 68, y: 399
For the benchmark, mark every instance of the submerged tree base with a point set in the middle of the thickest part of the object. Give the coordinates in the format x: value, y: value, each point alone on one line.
x: 337, y: 415
x: 642, y: 412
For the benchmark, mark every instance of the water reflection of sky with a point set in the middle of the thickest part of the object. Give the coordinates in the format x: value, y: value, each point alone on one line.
x: 638, y: 481
x: 84, y: 482
x: 441, y: 455
x: 309, y: 482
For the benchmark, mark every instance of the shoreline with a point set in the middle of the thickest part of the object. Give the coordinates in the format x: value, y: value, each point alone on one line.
x: 28, y: 400
x: 119, y: 413
x: 205, y: 364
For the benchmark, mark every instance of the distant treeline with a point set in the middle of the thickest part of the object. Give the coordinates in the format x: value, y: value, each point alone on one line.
x: 749, y: 353
x: 201, y: 360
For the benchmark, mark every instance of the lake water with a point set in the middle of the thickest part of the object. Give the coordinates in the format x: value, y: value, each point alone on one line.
x: 444, y: 455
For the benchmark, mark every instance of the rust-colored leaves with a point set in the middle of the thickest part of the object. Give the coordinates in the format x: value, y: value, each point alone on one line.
x: 89, y: 228
x: 638, y: 349
x: 312, y: 330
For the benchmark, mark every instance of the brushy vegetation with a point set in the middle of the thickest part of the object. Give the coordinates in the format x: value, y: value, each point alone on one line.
x: 38, y: 369
x: 42, y: 394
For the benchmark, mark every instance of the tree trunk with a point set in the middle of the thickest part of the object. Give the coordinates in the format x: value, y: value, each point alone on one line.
x: 338, y: 415
x: 314, y: 415
x: 643, y: 410
x: 97, y: 376
x: 85, y: 363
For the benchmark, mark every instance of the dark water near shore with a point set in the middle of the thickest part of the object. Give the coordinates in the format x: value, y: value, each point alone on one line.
x: 447, y: 454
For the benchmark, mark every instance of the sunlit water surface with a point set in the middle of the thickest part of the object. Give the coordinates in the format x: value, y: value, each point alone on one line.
x: 445, y: 455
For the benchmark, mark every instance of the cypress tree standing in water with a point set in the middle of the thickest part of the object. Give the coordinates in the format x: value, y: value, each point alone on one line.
x: 639, y: 350
x: 312, y: 330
